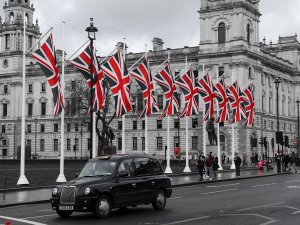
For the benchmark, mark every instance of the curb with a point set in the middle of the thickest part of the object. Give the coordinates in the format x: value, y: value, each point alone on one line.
x: 25, y: 189
x: 173, y: 186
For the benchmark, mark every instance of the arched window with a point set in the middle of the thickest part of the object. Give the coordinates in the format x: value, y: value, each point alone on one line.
x: 12, y: 18
x: 248, y: 33
x: 26, y: 19
x: 223, y: 142
x: 221, y: 33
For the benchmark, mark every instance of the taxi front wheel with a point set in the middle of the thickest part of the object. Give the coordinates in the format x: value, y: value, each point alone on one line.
x: 160, y: 200
x: 103, y: 207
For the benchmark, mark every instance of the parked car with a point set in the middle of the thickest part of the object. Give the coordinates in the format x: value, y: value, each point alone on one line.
x: 116, y: 181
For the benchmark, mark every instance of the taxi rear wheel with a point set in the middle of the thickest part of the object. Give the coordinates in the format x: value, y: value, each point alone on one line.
x: 103, y: 207
x: 160, y: 200
x: 64, y: 213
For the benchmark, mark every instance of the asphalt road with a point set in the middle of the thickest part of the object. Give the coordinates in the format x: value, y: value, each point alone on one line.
x: 260, y: 201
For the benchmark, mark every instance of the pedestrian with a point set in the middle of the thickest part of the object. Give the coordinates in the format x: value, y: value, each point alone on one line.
x: 201, y: 165
x: 223, y: 158
x: 209, y: 164
x: 256, y: 158
x: 237, y: 162
x: 244, y: 159
x: 286, y: 160
x: 215, y: 164
x: 292, y: 162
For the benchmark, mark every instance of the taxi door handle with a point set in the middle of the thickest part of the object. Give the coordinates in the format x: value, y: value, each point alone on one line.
x: 153, y: 182
x: 133, y: 185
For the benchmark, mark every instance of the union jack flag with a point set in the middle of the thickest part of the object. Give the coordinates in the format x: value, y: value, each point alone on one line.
x: 222, y: 98
x: 142, y: 74
x: 82, y: 63
x: 116, y: 73
x: 208, y: 95
x: 46, y: 58
x: 237, y: 102
x: 166, y: 81
x: 187, y: 83
x: 249, y: 105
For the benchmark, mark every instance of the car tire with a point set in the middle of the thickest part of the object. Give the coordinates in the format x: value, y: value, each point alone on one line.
x: 103, y: 207
x: 160, y: 200
x: 64, y: 213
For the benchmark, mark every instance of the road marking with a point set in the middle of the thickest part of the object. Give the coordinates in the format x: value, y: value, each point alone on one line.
x: 262, y: 185
x: 32, y: 217
x: 260, y: 206
x: 21, y: 220
x: 223, y: 185
x: 188, y: 220
x: 290, y: 207
x: 293, y: 187
x: 176, y: 198
x: 291, y: 181
x: 214, y: 192
x: 257, y: 215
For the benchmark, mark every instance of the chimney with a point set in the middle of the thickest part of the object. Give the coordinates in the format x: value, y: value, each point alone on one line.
x: 157, y: 44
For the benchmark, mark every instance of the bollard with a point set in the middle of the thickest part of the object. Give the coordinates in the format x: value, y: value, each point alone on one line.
x: 7, y: 222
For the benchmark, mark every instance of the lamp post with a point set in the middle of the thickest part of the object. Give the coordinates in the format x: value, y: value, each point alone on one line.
x: 92, y: 36
x: 277, y: 82
x: 298, y: 142
x: 35, y: 133
x: 81, y: 142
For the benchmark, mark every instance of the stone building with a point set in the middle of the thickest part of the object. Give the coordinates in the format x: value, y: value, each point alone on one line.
x: 229, y: 43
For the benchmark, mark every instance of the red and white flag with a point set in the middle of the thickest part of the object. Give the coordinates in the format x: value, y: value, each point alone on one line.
x: 223, y: 101
x: 249, y: 105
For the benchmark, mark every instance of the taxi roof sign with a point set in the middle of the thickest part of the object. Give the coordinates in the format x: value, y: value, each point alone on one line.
x: 103, y: 157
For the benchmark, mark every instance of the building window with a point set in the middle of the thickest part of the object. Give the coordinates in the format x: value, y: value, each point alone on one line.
x: 119, y: 143
x: 176, y: 141
x: 55, y: 145
x: 248, y: 33
x: 68, y: 144
x: 3, y: 129
x: 29, y: 128
x: 140, y: 102
x: 4, y: 110
x: 270, y: 105
x: 134, y: 125
x: 76, y: 127
x: 76, y: 144
x: 30, y: 88
x: 265, y: 124
x: 194, y: 123
x: 28, y: 144
x: 68, y: 107
x: 68, y: 127
x: 134, y: 143
x: 30, y: 109
x: 89, y: 143
x: 7, y: 41
x: 194, y: 143
x: 119, y: 125
x: 56, y: 127
x: 221, y: 71
x: 221, y: 33
x: 159, y: 124
x: 43, y: 109
x: 73, y: 85
x: 4, y: 152
x: 250, y: 73
x: 5, y: 89
x: 73, y: 106
x: 272, y: 125
x: 223, y: 142
x: 160, y: 102
x: 89, y: 127
x: 29, y: 41
x: 42, y: 128
x: 43, y: 87
x: 159, y: 143
x: 143, y: 124
x: 176, y: 123
x: 143, y: 143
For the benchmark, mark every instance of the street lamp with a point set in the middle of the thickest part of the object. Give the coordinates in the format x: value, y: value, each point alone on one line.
x: 298, y: 142
x: 35, y: 133
x: 277, y: 82
x: 92, y: 36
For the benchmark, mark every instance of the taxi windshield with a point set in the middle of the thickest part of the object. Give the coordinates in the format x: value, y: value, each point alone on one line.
x: 98, y: 168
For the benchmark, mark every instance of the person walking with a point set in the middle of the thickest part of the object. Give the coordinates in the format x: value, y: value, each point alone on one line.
x: 292, y: 162
x: 215, y: 165
x: 286, y: 161
x: 209, y: 164
x: 201, y: 165
x: 237, y: 162
x: 244, y: 159
x: 223, y: 158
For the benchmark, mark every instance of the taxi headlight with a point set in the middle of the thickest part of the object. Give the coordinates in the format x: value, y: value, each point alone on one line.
x: 87, y: 191
x: 54, y: 191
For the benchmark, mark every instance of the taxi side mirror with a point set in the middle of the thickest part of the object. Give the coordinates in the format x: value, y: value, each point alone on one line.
x: 76, y: 174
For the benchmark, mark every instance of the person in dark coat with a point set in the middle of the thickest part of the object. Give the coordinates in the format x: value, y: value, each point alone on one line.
x: 215, y: 164
x: 201, y: 165
x: 237, y: 162
x: 286, y: 161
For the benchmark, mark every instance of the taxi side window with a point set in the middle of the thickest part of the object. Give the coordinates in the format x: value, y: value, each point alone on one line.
x: 128, y: 166
x: 141, y: 166
x: 154, y: 166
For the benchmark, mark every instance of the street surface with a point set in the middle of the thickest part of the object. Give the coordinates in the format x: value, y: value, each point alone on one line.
x: 261, y: 201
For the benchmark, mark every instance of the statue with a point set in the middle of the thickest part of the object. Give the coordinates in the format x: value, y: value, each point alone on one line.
x: 211, y: 132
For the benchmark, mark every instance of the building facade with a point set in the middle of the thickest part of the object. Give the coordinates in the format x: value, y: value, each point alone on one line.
x: 229, y: 43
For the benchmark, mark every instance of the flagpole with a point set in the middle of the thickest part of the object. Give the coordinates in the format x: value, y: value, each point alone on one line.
x: 103, y: 60
x: 32, y: 47
x: 185, y: 70
x: 218, y: 140
x: 168, y: 168
x: 160, y: 66
x: 123, y: 117
x: 85, y: 43
x: 61, y: 177
x: 22, y: 179
x: 94, y: 149
x: 146, y: 53
x: 146, y: 117
x: 232, y: 136
x: 204, y: 124
x: 187, y: 168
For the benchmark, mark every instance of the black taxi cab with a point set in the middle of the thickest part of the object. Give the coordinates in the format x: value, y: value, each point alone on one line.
x: 116, y: 181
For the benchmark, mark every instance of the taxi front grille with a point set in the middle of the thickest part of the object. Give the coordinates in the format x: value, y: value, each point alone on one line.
x: 67, y: 195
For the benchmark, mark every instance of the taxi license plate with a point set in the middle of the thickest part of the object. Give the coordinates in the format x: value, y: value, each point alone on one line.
x: 66, y: 207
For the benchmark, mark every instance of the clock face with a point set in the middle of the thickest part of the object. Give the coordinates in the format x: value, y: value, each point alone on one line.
x: 5, y: 63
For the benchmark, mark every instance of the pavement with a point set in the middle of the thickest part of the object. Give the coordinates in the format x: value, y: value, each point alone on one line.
x: 36, y: 195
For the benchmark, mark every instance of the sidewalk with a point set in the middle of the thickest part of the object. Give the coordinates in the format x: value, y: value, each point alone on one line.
x: 42, y: 195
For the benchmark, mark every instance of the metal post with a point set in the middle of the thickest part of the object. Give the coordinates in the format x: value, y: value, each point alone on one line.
x: 35, y: 133
x: 277, y: 82
x: 298, y: 142
x: 81, y: 143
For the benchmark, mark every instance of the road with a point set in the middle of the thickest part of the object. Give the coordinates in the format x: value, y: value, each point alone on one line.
x: 261, y: 201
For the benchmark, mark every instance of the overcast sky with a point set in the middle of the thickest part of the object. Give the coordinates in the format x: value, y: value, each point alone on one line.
x: 175, y: 21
